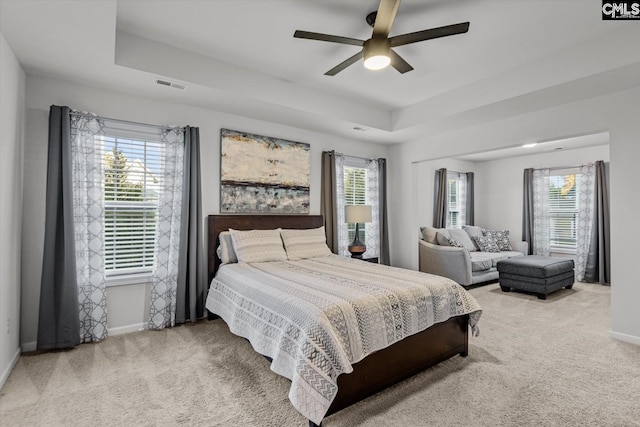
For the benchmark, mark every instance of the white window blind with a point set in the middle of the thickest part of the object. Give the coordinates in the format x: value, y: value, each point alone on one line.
x: 133, y: 171
x: 355, y: 193
x: 457, y: 183
x: 563, y: 209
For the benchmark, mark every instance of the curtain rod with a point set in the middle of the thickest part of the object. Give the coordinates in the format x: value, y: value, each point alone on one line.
x: 356, y: 157
x: 79, y: 113
x: 563, y: 167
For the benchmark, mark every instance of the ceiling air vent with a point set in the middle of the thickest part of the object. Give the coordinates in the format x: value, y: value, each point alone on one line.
x: 171, y: 84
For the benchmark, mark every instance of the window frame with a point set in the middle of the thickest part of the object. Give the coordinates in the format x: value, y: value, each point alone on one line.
x: 142, y: 137
x: 459, y: 210
x: 555, y: 210
x: 350, y: 226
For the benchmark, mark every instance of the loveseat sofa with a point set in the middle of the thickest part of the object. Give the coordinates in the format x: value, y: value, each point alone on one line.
x: 454, y: 253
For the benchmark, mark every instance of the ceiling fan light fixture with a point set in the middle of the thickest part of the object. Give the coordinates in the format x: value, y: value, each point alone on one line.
x: 376, y: 53
x: 377, y: 62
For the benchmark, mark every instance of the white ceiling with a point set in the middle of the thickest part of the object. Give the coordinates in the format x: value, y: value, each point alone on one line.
x: 240, y: 57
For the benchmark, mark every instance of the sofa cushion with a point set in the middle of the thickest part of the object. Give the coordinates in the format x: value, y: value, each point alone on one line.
x: 501, y: 237
x: 480, y: 265
x: 491, y: 257
x: 429, y: 234
x: 486, y: 244
x: 462, y: 237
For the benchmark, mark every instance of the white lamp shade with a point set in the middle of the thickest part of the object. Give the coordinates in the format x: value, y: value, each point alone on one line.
x: 357, y: 213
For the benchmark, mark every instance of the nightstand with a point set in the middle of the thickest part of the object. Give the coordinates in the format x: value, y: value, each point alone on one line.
x: 373, y: 260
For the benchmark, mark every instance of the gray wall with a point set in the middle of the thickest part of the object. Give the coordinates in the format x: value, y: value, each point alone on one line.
x: 127, y: 305
x: 12, y: 98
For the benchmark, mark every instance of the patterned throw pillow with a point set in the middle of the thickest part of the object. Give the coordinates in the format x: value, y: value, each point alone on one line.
x: 486, y: 244
x: 225, y: 250
x: 258, y: 245
x: 307, y: 243
x: 501, y: 237
x: 453, y: 242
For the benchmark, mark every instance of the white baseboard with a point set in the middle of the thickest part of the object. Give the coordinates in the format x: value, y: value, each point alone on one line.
x: 127, y: 328
x: 7, y: 371
x: 31, y: 346
x: 625, y: 337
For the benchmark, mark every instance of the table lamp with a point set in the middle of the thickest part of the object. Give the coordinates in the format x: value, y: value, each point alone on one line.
x: 357, y: 214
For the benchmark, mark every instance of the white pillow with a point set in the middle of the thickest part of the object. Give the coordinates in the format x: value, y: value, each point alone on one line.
x: 258, y: 245
x: 225, y: 250
x: 305, y: 243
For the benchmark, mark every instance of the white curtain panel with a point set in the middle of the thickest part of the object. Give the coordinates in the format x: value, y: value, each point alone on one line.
x: 88, y: 211
x: 541, y: 230
x: 343, y: 228
x: 372, y: 229
x: 162, y: 310
x: 586, y: 193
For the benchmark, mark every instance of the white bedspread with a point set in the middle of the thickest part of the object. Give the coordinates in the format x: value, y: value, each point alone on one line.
x: 316, y: 317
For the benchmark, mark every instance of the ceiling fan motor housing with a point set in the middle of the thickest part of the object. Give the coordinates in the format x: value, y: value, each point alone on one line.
x: 376, y: 47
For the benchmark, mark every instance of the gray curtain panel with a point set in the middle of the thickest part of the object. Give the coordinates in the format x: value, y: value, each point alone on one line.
x: 527, y: 209
x: 192, y: 283
x: 329, y: 199
x: 598, y: 268
x: 59, y: 322
x: 470, y: 199
x: 384, y: 227
x: 440, y: 199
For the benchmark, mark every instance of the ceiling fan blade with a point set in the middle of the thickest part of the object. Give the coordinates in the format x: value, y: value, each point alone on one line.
x: 433, y: 33
x: 299, y: 34
x: 399, y: 64
x: 344, y: 64
x: 384, y: 18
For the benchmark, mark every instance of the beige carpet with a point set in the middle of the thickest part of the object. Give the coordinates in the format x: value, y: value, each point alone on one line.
x: 548, y: 363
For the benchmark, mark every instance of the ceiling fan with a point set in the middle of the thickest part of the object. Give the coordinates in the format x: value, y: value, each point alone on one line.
x: 376, y: 51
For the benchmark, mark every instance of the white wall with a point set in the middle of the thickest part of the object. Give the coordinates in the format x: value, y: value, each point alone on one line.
x: 127, y: 304
x: 616, y: 112
x: 12, y: 98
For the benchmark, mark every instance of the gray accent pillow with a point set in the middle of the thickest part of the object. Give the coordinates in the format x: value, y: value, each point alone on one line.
x: 462, y: 236
x: 501, y: 237
x: 225, y: 251
x: 429, y: 234
x: 486, y: 244
x: 442, y: 237
x: 473, y: 231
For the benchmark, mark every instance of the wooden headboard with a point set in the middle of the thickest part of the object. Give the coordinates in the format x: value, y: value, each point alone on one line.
x: 218, y: 223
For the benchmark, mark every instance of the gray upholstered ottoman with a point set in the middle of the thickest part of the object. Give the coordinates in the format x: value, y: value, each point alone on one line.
x: 538, y: 274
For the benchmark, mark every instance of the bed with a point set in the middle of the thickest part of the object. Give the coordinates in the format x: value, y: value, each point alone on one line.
x: 332, y: 378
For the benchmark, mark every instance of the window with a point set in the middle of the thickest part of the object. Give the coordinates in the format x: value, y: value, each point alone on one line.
x: 457, y: 188
x: 133, y: 171
x: 355, y: 193
x: 357, y: 183
x: 563, y: 210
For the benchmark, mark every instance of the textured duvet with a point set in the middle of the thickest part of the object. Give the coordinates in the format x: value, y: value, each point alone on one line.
x: 316, y: 317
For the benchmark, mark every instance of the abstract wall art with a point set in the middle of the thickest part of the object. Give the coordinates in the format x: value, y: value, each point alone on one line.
x: 260, y: 174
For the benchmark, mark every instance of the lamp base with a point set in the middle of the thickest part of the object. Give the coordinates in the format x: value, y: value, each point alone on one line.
x: 357, y: 250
